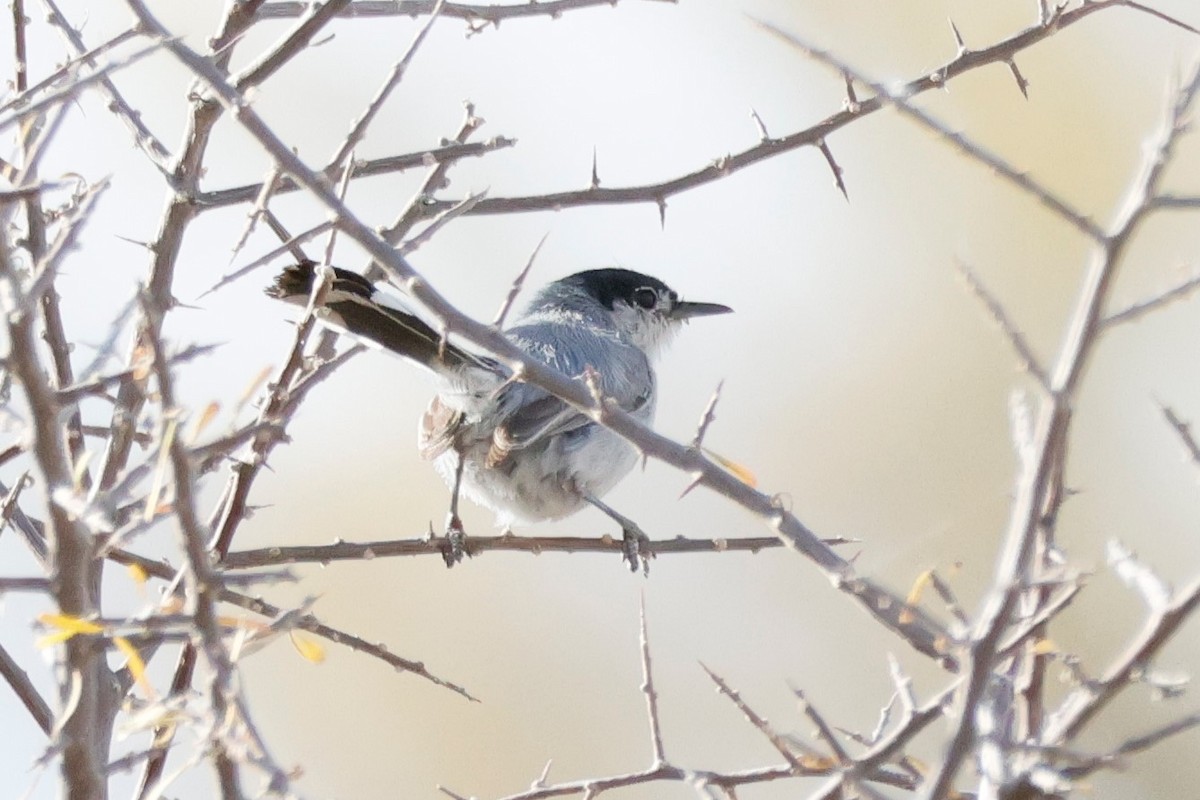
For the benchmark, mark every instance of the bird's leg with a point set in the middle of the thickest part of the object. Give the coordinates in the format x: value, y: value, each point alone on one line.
x: 456, y: 536
x: 637, y: 544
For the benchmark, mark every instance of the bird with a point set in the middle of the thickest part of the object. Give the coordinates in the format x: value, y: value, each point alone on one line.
x: 509, y: 446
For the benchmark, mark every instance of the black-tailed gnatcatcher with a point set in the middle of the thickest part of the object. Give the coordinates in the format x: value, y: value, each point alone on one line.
x: 509, y: 446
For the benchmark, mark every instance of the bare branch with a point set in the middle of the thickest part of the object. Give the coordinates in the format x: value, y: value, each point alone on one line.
x: 18, y: 680
x: 778, y: 742
x: 1016, y: 339
x: 853, y: 109
x: 477, y: 545
x: 1135, y: 311
x: 471, y: 12
x: 656, y: 740
x: 142, y: 136
x: 359, y: 129
x: 297, y: 39
x: 900, y: 101
x: 386, y: 165
x: 517, y: 284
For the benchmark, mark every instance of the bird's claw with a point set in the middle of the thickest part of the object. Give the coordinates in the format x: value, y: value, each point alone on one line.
x: 456, y: 540
x: 636, y: 548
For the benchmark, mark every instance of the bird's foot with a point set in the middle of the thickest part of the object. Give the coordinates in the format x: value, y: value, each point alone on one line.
x: 456, y: 540
x: 636, y: 547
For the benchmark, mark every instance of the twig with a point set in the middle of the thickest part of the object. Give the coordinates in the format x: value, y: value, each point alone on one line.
x: 1016, y: 339
x: 1184, y: 430
x: 443, y: 219
x: 656, y: 740
x: 142, y: 136
x: 824, y: 731
x: 18, y: 680
x: 477, y: 545
x: 455, y: 151
x: 900, y: 100
x: 288, y: 246
x: 518, y: 282
x: 434, y: 180
x: 201, y: 578
x: 359, y: 129
x: 1087, y: 700
x: 471, y: 12
x: 310, y: 623
x: 1135, y: 311
x: 778, y: 742
x: 293, y: 43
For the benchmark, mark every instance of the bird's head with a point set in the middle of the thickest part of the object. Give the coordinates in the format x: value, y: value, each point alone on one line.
x: 645, y: 311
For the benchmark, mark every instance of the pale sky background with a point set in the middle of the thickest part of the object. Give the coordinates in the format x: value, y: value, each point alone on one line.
x: 860, y: 377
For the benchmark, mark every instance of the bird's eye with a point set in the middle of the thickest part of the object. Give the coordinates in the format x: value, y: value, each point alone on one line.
x: 645, y: 297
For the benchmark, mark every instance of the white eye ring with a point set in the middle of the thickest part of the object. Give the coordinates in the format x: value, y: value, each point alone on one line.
x: 645, y: 297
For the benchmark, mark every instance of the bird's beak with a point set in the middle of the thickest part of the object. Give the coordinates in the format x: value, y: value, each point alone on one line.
x: 685, y: 310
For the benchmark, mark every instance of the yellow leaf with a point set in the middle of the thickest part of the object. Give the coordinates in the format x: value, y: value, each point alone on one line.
x: 137, y: 667
x: 919, y: 586
x: 67, y: 626
x: 67, y: 622
x: 1044, y: 647
x: 739, y: 471
x: 138, y: 573
x: 308, y: 647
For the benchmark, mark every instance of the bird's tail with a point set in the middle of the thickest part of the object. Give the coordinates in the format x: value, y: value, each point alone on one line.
x: 357, y: 307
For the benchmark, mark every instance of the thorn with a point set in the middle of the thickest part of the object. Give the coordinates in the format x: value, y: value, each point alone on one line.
x: 706, y: 418
x: 1022, y: 84
x: 595, y: 171
x: 958, y: 40
x: 823, y: 146
x: 136, y: 242
x: 762, y: 129
x: 519, y: 282
x: 692, y: 484
x: 851, y: 101
x: 662, y: 211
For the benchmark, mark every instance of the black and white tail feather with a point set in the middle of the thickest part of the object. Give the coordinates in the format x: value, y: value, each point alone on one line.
x: 358, y: 307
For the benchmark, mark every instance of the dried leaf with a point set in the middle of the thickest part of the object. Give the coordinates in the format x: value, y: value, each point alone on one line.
x: 206, y: 417
x: 252, y: 388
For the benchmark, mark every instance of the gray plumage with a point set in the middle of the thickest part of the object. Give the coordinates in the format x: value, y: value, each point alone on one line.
x: 522, y: 452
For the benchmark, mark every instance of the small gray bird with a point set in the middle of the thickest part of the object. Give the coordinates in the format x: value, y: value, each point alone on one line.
x: 512, y: 447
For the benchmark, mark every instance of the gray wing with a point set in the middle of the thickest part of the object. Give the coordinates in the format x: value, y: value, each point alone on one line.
x: 530, y: 415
